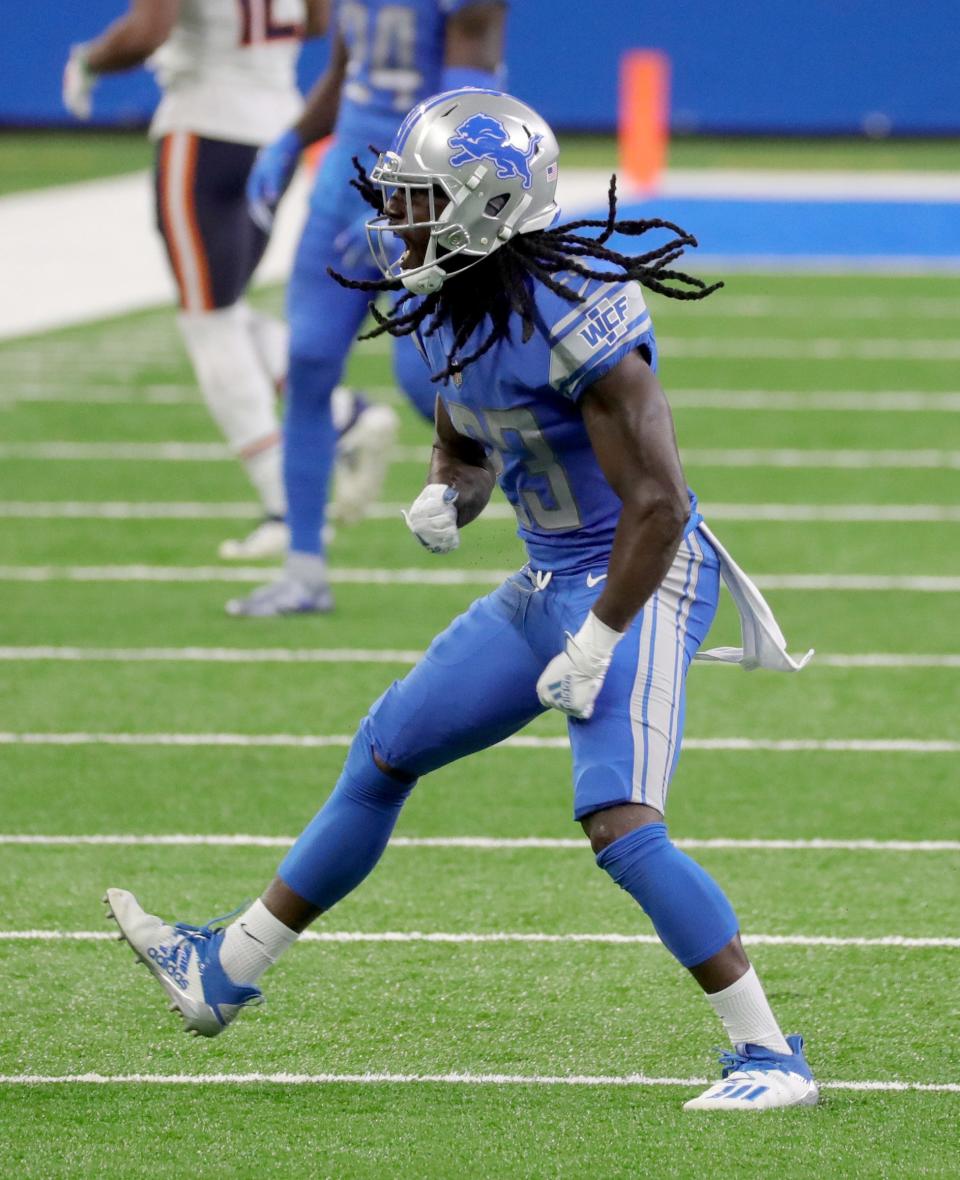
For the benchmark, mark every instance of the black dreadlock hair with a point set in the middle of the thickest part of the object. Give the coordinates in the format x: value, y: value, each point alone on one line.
x: 502, y: 284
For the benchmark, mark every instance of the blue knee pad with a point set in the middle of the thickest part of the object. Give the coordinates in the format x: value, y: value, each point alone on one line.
x: 688, y: 909
x: 347, y: 836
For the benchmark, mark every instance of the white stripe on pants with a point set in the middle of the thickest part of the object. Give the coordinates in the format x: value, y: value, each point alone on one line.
x: 658, y: 686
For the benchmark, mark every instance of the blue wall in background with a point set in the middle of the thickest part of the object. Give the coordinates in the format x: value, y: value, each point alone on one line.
x: 781, y: 66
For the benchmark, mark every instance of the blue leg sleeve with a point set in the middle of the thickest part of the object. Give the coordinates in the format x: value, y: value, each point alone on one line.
x: 309, y: 442
x: 347, y: 836
x: 688, y: 909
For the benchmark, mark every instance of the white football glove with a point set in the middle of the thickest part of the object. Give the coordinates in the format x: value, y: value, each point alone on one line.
x: 571, y: 682
x: 78, y: 83
x: 432, y: 518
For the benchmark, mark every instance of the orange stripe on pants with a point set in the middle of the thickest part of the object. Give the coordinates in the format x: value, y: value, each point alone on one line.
x: 181, y: 227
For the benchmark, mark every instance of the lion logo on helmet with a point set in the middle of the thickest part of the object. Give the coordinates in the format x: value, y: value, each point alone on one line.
x: 482, y: 137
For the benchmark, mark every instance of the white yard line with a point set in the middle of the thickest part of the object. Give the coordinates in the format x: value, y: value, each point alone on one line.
x: 56, y: 391
x: 133, y: 359
x: 521, y: 741
x: 193, y: 574
x: 892, y: 941
x: 910, y: 583
x: 162, y: 452
x: 842, y: 458
x: 353, y: 655
x: 403, y: 1079
x: 180, y: 452
x: 749, y: 400
x: 831, y: 307
x: 881, y: 659
x: 126, y: 510
x: 244, y: 510
x: 835, y: 513
x: 883, y: 401
x: 813, y: 348
x: 473, y: 843
x: 214, y: 655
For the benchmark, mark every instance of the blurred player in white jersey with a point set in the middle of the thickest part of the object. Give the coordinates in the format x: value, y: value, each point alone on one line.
x: 227, y: 70
x: 384, y: 57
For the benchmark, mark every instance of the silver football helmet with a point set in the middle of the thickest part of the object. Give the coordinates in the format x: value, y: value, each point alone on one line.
x: 496, y: 161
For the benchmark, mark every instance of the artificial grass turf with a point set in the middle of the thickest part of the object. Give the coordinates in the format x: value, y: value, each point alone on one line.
x: 870, y: 1013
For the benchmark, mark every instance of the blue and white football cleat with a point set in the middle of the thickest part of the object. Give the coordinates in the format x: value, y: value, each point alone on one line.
x: 756, y: 1078
x: 186, y: 961
x: 285, y: 596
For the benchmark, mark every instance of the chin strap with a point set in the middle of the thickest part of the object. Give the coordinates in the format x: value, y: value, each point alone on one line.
x: 425, y: 282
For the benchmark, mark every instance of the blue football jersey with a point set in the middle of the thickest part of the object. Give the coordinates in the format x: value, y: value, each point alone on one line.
x: 395, y: 59
x: 521, y: 401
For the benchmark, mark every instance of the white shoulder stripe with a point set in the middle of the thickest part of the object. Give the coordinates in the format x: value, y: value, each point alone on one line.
x: 567, y: 321
x: 573, y: 358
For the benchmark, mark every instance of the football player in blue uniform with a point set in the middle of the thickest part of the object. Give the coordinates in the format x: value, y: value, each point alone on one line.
x: 385, y: 57
x: 544, y: 359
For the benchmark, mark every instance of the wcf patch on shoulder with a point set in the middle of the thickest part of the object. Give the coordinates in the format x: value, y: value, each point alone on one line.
x: 606, y: 321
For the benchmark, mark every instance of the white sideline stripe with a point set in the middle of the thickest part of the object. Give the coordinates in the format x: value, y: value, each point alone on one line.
x: 241, y: 510
x: 401, y: 1079
x: 817, y: 348
x: 176, y: 452
x: 347, y: 655
x: 924, y: 583
x: 478, y: 843
x: 521, y: 741
x: 894, y: 941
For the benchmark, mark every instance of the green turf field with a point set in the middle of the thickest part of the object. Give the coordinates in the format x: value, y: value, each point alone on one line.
x: 113, y: 631
x: 34, y: 159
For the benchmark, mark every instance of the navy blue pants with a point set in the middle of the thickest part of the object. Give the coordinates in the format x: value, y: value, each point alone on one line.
x: 213, y: 245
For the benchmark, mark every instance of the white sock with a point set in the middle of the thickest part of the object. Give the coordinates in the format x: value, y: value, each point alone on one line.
x: 308, y: 568
x: 253, y: 943
x: 264, y: 469
x: 746, y: 1014
x: 342, y: 401
x: 239, y: 392
x: 271, y: 339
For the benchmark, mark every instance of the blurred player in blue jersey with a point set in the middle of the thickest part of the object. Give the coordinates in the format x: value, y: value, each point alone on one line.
x: 228, y: 73
x: 385, y: 57
x: 544, y: 356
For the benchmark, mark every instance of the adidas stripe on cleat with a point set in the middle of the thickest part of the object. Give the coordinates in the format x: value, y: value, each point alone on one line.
x: 186, y: 962
x: 757, y: 1078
